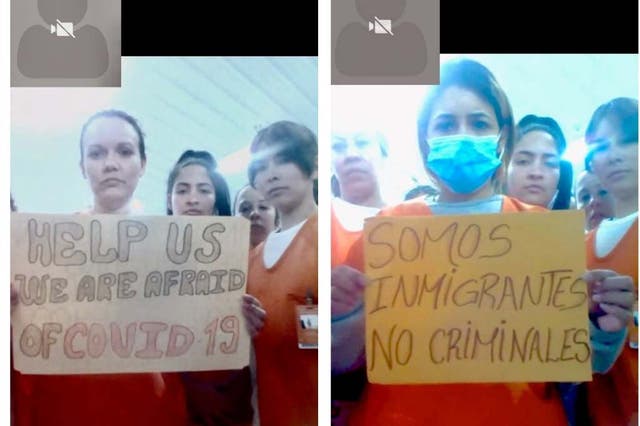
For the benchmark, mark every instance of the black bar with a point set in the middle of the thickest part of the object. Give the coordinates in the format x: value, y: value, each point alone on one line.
x: 290, y: 28
x: 219, y: 28
x: 541, y: 26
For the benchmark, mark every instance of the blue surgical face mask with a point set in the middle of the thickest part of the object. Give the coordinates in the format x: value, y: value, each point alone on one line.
x: 463, y: 162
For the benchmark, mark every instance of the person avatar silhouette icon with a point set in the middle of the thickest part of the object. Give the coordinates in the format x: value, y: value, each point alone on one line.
x: 372, y: 49
x: 58, y: 50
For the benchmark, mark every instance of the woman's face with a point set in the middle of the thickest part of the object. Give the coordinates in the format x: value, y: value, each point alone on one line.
x: 534, y: 169
x: 111, y: 162
x: 282, y: 183
x: 594, y: 199
x: 193, y: 193
x: 460, y: 111
x: 252, y: 205
x: 614, y: 162
x: 356, y: 160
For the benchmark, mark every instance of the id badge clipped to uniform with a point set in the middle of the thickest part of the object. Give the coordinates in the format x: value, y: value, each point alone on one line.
x: 307, y: 324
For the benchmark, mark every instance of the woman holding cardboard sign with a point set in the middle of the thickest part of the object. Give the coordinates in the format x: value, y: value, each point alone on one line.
x: 357, y: 160
x: 112, y: 159
x: 465, y: 132
x: 612, y: 137
x: 222, y: 397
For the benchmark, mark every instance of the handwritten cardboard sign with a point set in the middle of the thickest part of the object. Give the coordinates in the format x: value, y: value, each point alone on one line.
x: 106, y: 293
x: 477, y: 298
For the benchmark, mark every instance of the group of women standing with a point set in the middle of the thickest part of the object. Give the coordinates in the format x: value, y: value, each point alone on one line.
x: 475, y: 153
x: 280, y: 204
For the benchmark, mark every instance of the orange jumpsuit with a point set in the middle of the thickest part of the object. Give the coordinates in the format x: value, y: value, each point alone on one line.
x: 613, y: 397
x: 341, y: 240
x: 346, y: 388
x: 219, y: 398
x: 101, y: 399
x: 456, y: 404
x: 287, y: 376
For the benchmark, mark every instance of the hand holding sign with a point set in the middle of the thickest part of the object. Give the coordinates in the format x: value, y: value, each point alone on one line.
x: 14, y: 298
x: 612, y: 293
x: 254, y: 314
x: 347, y: 290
